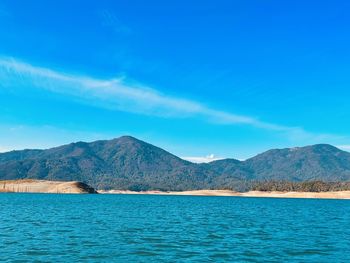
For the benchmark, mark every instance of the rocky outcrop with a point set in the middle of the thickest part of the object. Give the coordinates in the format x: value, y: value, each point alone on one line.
x: 43, y: 186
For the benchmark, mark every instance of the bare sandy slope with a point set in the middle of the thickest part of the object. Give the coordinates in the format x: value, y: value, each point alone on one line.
x: 42, y: 186
x: 322, y: 195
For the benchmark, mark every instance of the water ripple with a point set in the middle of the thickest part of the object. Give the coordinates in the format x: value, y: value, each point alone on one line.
x: 105, y: 228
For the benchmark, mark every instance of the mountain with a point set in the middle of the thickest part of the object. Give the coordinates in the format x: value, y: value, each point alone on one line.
x: 124, y: 163
x: 319, y: 162
x: 129, y: 163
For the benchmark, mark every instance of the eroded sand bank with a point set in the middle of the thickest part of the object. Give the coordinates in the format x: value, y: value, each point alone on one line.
x: 43, y: 186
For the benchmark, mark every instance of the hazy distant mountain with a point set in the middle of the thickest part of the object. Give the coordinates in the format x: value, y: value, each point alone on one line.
x: 128, y: 163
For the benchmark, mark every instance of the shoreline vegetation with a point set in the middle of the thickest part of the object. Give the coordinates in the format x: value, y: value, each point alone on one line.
x: 306, y: 186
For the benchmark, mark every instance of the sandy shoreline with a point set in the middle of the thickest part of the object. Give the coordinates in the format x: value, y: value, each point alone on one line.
x: 274, y: 194
x: 44, y: 186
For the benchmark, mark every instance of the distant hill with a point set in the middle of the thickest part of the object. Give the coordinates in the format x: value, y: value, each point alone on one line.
x: 128, y: 163
x: 318, y: 162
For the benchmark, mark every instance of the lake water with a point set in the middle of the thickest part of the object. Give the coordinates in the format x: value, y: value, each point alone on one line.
x: 144, y: 228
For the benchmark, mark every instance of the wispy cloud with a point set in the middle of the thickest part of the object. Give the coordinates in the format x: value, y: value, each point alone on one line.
x: 125, y: 95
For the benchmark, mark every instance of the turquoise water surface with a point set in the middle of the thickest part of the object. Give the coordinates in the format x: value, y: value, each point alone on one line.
x: 144, y: 228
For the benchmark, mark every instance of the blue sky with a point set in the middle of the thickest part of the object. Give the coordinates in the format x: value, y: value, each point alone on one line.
x: 230, y: 78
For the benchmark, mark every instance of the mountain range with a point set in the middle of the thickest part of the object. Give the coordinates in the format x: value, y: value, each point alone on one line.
x: 129, y: 163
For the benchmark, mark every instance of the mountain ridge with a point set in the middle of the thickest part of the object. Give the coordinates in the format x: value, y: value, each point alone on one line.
x: 129, y: 163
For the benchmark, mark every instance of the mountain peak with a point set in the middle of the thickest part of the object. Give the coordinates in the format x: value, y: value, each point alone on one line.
x: 127, y: 138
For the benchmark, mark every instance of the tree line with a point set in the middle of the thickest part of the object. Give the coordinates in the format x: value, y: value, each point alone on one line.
x: 309, y: 186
